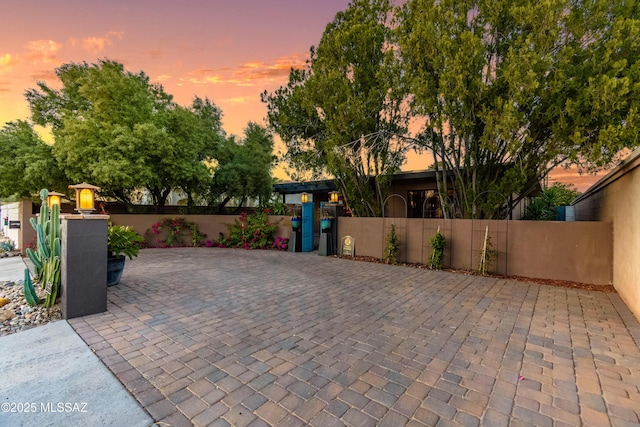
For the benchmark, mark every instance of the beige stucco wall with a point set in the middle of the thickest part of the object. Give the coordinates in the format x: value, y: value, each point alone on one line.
x: 574, y: 251
x: 18, y: 211
x: 616, y: 198
x: 211, y: 225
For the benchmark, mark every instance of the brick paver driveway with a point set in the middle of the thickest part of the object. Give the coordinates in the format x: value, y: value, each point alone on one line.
x: 233, y: 337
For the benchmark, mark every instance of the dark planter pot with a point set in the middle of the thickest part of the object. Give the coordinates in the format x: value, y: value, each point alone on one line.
x: 295, y: 223
x: 325, y: 225
x: 115, y: 267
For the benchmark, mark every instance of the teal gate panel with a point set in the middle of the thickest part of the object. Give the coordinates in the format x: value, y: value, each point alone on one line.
x: 307, y: 227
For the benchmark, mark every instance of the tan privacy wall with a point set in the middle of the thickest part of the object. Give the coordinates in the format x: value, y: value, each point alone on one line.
x: 211, y: 225
x: 574, y: 251
x: 616, y: 198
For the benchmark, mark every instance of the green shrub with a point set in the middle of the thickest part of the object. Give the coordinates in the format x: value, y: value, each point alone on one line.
x: 250, y: 232
x: 392, y: 247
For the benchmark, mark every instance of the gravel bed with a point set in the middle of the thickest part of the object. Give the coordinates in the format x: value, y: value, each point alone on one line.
x: 16, y: 315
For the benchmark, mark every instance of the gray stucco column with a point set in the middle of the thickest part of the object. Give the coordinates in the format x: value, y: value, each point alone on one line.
x: 84, y: 265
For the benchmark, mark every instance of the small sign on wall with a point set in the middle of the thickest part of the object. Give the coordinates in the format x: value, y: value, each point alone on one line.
x: 348, y: 246
x: 14, y: 224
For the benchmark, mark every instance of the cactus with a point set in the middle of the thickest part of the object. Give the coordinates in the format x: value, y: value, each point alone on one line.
x: 29, y: 291
x: 46, y: 257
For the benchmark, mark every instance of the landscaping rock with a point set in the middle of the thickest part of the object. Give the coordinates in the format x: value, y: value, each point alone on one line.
x: 17, y: 315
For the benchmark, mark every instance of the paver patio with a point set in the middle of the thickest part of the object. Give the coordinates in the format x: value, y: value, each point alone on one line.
x: 232, y: 337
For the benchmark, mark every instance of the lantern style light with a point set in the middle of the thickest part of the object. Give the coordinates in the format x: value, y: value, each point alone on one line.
x: 333, y: 196
x: 85, y: 197
x: 304, y: 197
x: 54, y: 198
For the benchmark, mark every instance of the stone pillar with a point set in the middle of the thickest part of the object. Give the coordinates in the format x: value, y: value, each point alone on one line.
x: 84, y: 265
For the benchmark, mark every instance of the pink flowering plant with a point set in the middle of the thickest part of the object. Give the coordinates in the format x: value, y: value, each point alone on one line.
x: 250, y: 232
x: 281, y: 243
x: 171, y: 231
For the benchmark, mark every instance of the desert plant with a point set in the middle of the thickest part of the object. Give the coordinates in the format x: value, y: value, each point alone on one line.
x: 7, y: 246
x: 437, y: 242
x: 123, y: 240
x: 392, y: 246
x: 46, y: 257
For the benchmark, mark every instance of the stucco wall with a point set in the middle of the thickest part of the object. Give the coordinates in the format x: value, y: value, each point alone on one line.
x: 616, y: 198
x: 18, y: 211
x: 211, y: 225
x: 574, y: 251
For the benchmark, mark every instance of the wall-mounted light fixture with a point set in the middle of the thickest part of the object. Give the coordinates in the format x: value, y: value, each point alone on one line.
x: 333, y: 196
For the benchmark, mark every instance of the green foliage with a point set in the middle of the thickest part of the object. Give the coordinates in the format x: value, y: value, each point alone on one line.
x: 250, y: 232
x: 26, y: 162
x: 115, y: 129
x: 392, y: 246
x: 171, y: 230
x: 340, y: 114
x: 123, y: 240
x: 46, y: 258
x: 437, y: 242
x: 488, y: 256
x: 508, y: 90
x: 29, y: 291
x: 277, y: 206
x: 543, y: 207
x: 244, y: 168
x: 7, y: 246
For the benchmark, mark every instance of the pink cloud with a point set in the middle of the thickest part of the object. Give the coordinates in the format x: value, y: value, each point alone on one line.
x: 97, y: 44
x: 154, y: 54
x: 41, y: 75
x: 43, y: 51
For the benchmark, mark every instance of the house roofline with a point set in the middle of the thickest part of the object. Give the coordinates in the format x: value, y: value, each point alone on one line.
x: 626, y: 166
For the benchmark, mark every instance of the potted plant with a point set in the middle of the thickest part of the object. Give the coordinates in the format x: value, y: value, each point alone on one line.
x: 296, y: 220
x: 122, y: 242
x: 325, y: 220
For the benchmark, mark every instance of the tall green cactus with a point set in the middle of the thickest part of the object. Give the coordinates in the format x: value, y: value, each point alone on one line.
x: 46, y: 257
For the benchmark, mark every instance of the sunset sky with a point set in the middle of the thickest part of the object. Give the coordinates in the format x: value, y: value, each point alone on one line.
x: 228, y: 51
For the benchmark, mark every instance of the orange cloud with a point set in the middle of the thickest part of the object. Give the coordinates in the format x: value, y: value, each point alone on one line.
x: 248, y: 74
x: 163, y: 78
x: 43, y: 51
x: 259, y: 71
x: 238, y: 100
x: 5, y: 86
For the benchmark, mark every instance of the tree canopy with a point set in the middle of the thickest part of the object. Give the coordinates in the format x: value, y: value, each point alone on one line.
x: 340, y: 114
x: 117, y: 130
x: 244, y: 168
x: 26, y: 162
x: 506, y: 91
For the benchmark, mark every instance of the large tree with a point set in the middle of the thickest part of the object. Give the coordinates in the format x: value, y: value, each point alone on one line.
x: 510, y: 90
x: 340, y: 115
x: 26, y: 162
x: 117, y: 130
x: 243, y: 168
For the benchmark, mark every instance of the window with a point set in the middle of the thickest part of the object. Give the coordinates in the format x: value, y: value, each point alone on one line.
x: 427, y: 200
